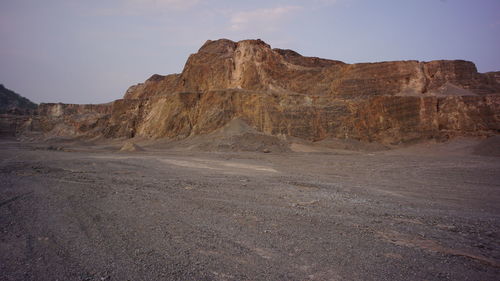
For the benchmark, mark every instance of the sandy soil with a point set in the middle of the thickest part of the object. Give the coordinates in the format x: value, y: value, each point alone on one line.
x: 428, y: 212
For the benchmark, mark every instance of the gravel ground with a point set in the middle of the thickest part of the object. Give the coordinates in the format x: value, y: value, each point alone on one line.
x: 423, y: 213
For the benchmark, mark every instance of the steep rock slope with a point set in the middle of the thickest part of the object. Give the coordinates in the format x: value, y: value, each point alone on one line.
x: 253, y: 65
x: 280, y: 92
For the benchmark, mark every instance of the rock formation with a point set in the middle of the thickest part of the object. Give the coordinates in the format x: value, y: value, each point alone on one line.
x: 14, y: 111
x: 12, y: 103
x: 279, y: 92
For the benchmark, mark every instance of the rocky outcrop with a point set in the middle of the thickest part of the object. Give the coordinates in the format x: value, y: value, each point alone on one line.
x: 13, y: 103
x: 386, y: 119
x: 12, y: 124
x: 280, y: 92
x: 69, y: 120
x: 15, y: 111
x: 253, y: 65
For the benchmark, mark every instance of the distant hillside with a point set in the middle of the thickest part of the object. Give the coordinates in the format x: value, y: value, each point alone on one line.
x: 11, y: 102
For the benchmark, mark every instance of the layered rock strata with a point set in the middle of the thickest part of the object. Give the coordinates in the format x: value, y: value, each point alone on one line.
x: 69, y: 120
x: 280, y: 92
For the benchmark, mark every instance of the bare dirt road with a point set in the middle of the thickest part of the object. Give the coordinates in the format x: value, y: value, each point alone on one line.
x: 422, y: 213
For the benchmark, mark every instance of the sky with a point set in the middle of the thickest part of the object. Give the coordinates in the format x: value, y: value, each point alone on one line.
x: 91, y: 51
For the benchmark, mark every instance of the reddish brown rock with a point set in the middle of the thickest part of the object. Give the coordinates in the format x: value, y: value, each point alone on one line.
x: 253, y: 65
x: 280, y: 92
x: 58, y: 119
x: 12, y: 124
x: 154, y: 86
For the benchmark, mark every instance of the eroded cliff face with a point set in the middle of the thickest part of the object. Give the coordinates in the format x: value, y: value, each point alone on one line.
x: 386, y: 119
x: 253, y: 65
x: 280, y: 92
x: 69, y: 120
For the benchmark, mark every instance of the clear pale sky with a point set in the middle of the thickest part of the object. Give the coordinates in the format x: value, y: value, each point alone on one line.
x: 91, y: 51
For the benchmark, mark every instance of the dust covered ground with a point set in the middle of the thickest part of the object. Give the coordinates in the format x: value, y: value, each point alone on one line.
x: 427, y: 212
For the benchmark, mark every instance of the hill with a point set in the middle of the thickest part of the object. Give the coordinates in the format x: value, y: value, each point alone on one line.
x: 282, y: 93
x: 11, y: 102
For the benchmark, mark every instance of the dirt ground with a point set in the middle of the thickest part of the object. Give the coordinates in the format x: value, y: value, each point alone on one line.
x: 427, y: 212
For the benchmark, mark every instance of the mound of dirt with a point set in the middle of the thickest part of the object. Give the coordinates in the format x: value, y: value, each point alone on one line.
x: 131, y: 147
x: 237, y: 135
x: 236, y: 126
x: 351, y: 144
